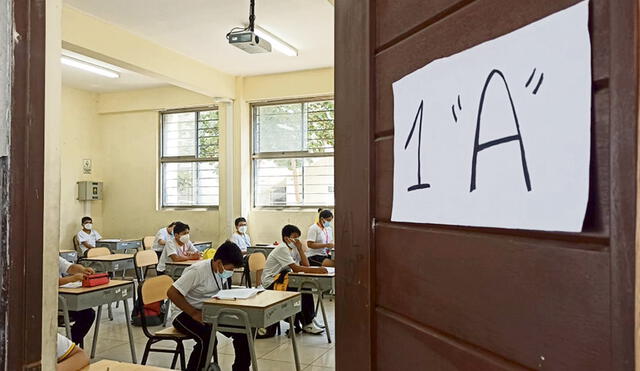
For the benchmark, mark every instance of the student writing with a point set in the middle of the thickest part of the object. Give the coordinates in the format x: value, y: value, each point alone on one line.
x: 179, y: 248
x: 319, y: 239
x: 82, y: 320
x: 163, y: 235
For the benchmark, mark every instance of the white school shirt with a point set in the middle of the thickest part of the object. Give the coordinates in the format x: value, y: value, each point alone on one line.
x: 172, y: 248
x: 64, y: 266
x: 280, y: 258
x: 64, y: 347
x: 199, y: 283
x: 242, y: 240
x: 92, y: 238
x: 318, y: 235
x: 163, y: 234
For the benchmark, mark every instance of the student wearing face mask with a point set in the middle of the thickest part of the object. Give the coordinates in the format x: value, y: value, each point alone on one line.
x: 290, y: 256
x: 163, y: 235
x: 320, y: 239
x: 87, y: 237
x: 179, y: 248
x: 240, y: 236
x: 201, y: 282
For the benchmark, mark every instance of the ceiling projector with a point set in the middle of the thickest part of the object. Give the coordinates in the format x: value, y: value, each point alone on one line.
x: 246, y: 39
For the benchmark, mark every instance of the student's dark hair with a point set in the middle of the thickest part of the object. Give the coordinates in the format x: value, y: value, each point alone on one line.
x: 172, y: 224
x: 180, y: 227
x: 325, y: 214
x: 289, y: 229
x: 229, y: 253
x: 240, y: 220
x: 86, y: 219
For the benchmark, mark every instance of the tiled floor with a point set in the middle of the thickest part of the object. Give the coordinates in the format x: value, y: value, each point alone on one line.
x: 274, y: 354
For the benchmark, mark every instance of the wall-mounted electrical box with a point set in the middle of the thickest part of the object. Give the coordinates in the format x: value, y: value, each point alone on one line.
x: 89, y: 191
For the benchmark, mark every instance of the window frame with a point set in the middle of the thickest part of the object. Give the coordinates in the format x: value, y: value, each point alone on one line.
x: 182, y: 159
x: 283, y: 155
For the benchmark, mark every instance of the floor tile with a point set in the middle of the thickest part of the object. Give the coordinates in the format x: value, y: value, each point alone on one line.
x: 284, y: 353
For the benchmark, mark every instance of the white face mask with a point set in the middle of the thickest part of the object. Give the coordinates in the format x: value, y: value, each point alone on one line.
x: 185, y: 238
x: 88, y: 226
x: 242, y: 229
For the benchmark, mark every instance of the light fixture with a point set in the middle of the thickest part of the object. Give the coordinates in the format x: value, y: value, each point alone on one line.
x: 276, y: 42
x: 89, y: 67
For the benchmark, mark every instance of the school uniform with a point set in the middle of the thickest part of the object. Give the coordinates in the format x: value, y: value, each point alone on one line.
x: 163, y: 234
x: 318, y: 235
x: 242, y: 240
x: 91, y: 237
x: 199, y: 283
x: 64, y: 347
x: 278, y: 262
x: 172, y: 248
x: 83, y: 319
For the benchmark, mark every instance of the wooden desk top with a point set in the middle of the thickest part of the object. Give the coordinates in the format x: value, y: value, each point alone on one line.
x: 186, y: 262
x: 265, y: 299
x: 116, y: 240
x: 66, y: 251
x: 105, y: 365
x: 110, y: 258
x: 303, y: 274
x: 82, y: 290
x: 201, y: 242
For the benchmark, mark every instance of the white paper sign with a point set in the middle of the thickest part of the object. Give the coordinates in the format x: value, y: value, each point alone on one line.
x: 499, y: 135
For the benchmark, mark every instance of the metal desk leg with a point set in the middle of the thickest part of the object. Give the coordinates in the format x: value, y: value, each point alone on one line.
x: 109, y: 312
x: 212, y: 344
x: 324, y: 317
x: 292, y: 333
x: 128, y: 321
x: 65, y: 314
x: 95, y: 332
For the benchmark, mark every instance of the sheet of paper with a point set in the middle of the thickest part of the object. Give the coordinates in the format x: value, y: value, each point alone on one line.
x: 72, y: 285
x: 331, y: 269
x: 238, y: 293
x: 499, y: 135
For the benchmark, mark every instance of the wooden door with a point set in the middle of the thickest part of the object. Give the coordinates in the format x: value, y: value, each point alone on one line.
x: 434, y: 297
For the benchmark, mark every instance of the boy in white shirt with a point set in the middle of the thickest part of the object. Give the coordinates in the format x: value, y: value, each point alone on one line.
x: 82, y: 320
x: 70, y: 357
x: 87, y: 237
x: 163, y: 235
x: 240, y: 236
x: 201, y: 282
x: 319, y: 239
x: 179, y: 248
x: 290, y: 256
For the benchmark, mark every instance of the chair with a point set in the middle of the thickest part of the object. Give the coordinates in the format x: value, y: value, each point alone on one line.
x: 256, y: 264
x: 76, y: 245
x: 144, y: 260
x: 98, y: 251
x: 152, y: 290
x: 147, y: 242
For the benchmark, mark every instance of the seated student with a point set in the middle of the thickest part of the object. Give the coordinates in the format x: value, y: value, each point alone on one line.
x: 70, y: 356
x: 163, y: 235
x: 319, y: 239
x: 179, y: 248
x: 291, y: 256
x: 82, y: 320
x: 201, y: 282
x: 87, y: 237
x: 240, y: 236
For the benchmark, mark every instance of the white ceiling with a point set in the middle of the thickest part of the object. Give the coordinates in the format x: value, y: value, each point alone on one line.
x: 197, y: 28
x: 80, y: 79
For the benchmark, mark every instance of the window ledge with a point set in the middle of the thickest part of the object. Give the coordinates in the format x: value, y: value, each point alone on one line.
x: 189, y: 208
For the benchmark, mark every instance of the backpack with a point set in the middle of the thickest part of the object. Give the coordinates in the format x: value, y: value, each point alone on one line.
x: 154, y: 314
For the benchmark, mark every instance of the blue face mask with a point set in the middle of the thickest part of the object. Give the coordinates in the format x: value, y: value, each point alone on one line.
x: 326, y: 224
x: 225, y: 275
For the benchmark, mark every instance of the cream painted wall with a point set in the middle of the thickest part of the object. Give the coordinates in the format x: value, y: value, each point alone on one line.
x: 81, y: 139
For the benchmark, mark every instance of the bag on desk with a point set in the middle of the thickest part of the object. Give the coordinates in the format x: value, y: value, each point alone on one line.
x: 95, y: 280
x: 153, y: 314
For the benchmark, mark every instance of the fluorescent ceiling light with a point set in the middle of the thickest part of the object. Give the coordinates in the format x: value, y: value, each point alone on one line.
x: 89, y: 67
x: 276, y: 42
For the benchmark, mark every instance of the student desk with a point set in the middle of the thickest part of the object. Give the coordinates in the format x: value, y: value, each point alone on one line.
x: 175, y: 269
x: 82, y: 298
x: 69, y: 255
x: 240, y: 316
x: 116, y: 245
x: 266, y: 250
x: 316, y: 284
x: 109, y: 263
x: 108, y: 365
x: 202, y: 245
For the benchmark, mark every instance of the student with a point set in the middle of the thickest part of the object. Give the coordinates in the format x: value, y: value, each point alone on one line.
x: 163, y: 235
x: 179, y: 248
x: 82, y: 320
x: 201, y: 282
x: 291, y: 256
x: 70, y: 356
x: 240, y: 236
x: 87, y: 237
x: 319, y: 239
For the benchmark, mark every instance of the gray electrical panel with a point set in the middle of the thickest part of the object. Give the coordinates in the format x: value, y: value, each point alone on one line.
x: 89, y: 191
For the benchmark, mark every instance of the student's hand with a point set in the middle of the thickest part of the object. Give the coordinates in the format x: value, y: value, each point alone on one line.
x: 88, y: 271
x: 76, y: 277
x: 197, y: 315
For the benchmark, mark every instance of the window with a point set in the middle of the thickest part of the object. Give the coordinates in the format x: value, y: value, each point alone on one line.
x: 189, y: 158
x: 293, y: 154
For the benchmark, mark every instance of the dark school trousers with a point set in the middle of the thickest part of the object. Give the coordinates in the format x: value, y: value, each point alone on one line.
x: 82, y: 321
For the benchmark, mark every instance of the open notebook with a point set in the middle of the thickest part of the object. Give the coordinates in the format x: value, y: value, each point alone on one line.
x: 238, y: 293
x: 72, y: 285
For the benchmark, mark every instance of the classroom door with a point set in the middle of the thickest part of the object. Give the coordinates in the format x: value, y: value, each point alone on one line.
x: 435, y: 297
